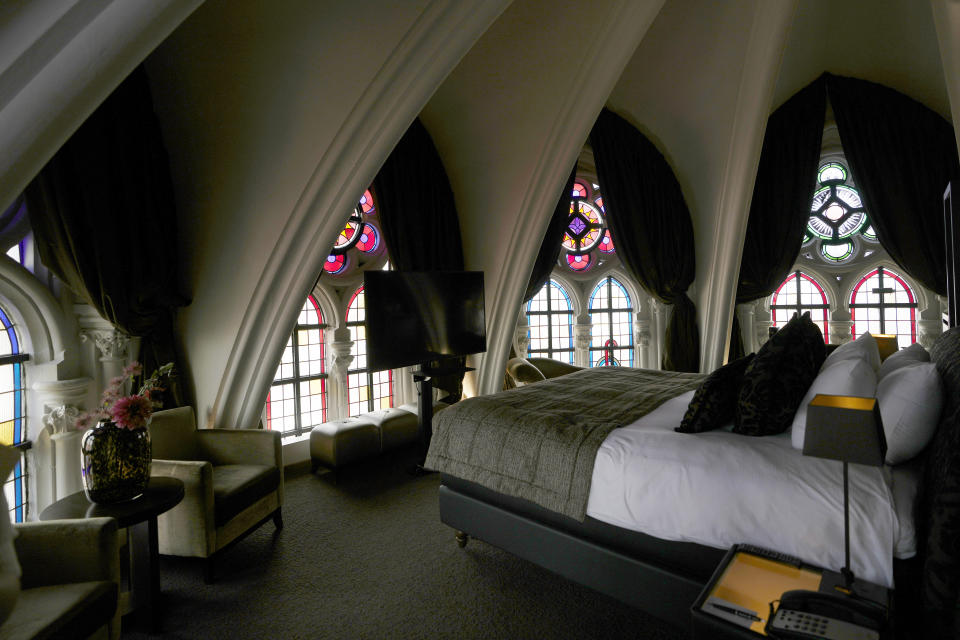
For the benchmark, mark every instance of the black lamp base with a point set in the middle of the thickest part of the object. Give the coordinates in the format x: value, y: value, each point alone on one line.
x: 835, y: 582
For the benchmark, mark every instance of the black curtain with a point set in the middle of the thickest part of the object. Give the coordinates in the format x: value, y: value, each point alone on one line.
x: 550, y: 247
x: 419, y: 218
x: 786, y: 179
x: 901, y: 155
x: 103, y: 215
x: 650, y: 227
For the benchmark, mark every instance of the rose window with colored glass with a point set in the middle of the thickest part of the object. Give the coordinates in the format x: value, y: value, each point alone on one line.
x: 586, y: 237
x: 358, y: 242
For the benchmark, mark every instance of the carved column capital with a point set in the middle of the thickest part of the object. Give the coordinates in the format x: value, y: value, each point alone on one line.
x: 521, y: 340
x: 841, y: 331
x: 341, y: 358
x: 641, y: 330
x: 60, y: 419
x: 112, y: 344
x: 581, y: 336
x: 762, y: 331
x: 927, y: 332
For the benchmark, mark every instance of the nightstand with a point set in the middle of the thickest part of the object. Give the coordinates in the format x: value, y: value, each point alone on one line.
x: 746, y: 587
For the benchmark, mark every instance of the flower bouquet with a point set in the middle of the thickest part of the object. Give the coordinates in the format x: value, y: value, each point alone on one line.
x: 115, y: 451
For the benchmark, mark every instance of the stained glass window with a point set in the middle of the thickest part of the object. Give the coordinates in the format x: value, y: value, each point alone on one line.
x: 586, y: 236
x: 12, y: 403
x: 611, y: 342
x: 550, y: 323
x: 366, y: 390
x: 298, y: 396
x: 882, y: 302
x: 798, y: 294
x: 837, y: 217
x: 358, y: 242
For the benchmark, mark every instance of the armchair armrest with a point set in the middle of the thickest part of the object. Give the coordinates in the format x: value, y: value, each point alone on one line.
x: 241, y: 446
x: 64, y: 551
x: 189, y: 529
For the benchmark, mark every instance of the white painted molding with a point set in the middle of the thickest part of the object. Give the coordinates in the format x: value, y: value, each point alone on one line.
x: 768, y: 38
x: 48, y: 334
x: 440, y: 37
x: 600, y: 68
x: 58, y: 61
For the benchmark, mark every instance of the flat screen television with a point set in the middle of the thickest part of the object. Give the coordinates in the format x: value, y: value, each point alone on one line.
x: 416, y: 317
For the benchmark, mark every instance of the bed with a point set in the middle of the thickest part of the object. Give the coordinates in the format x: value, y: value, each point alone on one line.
x: 643, y: 538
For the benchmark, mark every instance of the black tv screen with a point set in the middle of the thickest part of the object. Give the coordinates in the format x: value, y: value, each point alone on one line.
x: 415, y: 317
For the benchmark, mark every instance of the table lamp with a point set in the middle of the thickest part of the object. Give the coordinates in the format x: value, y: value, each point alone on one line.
x: 849, y: 429
x: 886, y: 344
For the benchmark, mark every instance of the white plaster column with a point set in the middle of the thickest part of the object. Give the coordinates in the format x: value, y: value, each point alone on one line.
x: 57, y: 463
x: 641, y: 332
x: 660, y: 312
x: 582, y: 333
x: 841, y: 331
x: 340, y: 359
x: 746, y: 314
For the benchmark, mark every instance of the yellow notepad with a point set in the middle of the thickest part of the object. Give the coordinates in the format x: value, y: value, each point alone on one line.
x: 753, y: 582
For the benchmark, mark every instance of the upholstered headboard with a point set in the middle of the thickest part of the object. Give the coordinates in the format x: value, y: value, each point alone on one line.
x: 940, y: 501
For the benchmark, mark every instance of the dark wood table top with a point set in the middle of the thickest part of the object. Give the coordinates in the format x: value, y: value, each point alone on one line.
x: 162, y: 494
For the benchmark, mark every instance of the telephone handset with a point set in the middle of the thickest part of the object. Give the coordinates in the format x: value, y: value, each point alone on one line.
x: 813, y: 614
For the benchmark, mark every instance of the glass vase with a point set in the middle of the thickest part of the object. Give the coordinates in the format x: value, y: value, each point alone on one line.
x: 115, y: 462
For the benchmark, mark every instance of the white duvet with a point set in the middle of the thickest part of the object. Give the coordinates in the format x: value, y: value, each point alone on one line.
x: 719, y: 488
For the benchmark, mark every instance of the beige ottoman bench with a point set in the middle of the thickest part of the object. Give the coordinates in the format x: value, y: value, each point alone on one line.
x: 338, y: 443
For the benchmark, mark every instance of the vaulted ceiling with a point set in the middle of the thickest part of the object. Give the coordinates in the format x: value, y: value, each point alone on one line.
x: 277, y: 115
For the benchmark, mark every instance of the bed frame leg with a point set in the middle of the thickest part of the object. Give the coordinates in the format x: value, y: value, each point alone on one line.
x: 462, y: 539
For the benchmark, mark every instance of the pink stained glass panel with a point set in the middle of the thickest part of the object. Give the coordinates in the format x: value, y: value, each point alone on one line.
x: 366, y: 203
x: 369, y: 239
x: 334, y: 264
x: 578, y: 262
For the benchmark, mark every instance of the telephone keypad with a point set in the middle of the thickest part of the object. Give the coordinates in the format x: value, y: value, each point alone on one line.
x: 815, y: 626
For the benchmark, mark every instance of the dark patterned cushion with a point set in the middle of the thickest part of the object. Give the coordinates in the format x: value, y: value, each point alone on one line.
x: 940, y: 502
x: 715, y: 401
x: 778, y: 377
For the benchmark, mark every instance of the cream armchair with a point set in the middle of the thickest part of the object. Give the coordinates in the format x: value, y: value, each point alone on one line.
x: 233, y: 481
x: 70, y: 580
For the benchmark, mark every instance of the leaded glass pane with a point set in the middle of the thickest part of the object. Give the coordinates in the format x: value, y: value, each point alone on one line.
x: 611, y: 318
x: 550, y: 323
x: 299, y: 381
x: 882, y: 302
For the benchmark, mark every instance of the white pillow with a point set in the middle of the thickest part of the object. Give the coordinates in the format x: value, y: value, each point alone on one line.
x: 910, y: 401
x: 864, y: 347
x: 911, y: 355
x: 845, y: 377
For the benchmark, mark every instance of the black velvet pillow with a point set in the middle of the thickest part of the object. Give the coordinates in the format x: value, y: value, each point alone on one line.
x: 776, y: 381
x: 715, y: 401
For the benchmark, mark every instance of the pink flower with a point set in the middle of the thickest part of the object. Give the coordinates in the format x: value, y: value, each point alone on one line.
x: 132, y: 370
x: 131, y: 412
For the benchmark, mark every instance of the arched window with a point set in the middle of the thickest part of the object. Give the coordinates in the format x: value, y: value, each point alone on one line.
x: 298, y: 396
x: 12, y: 424
x: 798, y: 294
x: 366, y: 390
x: 882, y: 302
x: 586, y: 239
x: 611, y: 342
x: 550, y: 323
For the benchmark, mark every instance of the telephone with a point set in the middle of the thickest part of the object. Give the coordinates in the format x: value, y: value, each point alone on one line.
x: 812, y: 614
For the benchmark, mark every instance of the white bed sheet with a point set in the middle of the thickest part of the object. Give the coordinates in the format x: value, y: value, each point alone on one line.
x: 720, y: 488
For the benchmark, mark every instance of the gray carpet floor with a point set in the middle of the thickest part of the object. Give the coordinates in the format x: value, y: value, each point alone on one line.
x: 367, y: 557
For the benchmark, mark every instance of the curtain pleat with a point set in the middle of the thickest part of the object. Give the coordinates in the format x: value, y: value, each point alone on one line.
x: 550, y: 247
x: 651, y: 229
x: 902, y: 155
x: 419, y: 218
x: 103, y: 215
x: 780, y: 207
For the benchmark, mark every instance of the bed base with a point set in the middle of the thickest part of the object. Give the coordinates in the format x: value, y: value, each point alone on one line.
x: 661, y: 592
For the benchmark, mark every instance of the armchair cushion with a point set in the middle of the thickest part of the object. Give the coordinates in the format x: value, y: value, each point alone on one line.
x: 173, y: 435
x: 73, y: 610
x: 237, y: 486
